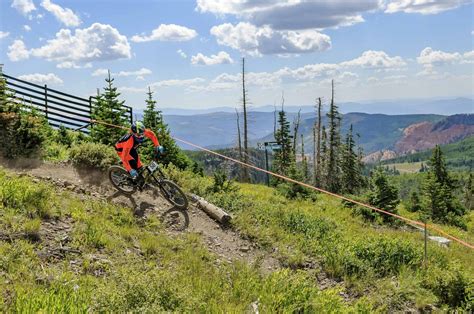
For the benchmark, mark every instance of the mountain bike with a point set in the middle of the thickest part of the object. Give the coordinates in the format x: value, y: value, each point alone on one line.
x: 150, y: 177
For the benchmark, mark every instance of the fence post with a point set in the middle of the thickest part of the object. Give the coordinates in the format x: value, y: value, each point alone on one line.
x: 425, y: 261
x: 131, y: 115
x: 46, y: 100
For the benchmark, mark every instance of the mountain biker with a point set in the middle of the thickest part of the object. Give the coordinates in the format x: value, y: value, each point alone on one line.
x: 126, y: 147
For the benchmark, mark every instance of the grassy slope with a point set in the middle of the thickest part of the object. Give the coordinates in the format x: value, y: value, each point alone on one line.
x: 129, y: 264
x: 459, y: 155
x: 381, y: 263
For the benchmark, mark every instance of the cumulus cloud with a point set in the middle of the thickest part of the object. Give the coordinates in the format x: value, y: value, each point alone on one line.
x: 38, y: 78
x: 181, y: 53
x: 221, y: 58
x: 100, y: 72
x: 167, y: 32
x: 73, y: 65
x: 263, y: 40
x: 4, y: 34
x: 27, y: 28
x: 99, y: 42
x: 293, y: 14
x: 64, y: 15
x: 139, y: 74
x: 171, y: 83
x: 23, y: 6
x: 17, y: 51
x: 375, y: 60
x: 429, y: 57
x: 424, y: 7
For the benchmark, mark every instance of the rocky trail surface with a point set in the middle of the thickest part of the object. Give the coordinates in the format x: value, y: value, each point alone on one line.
x: 226, y: 243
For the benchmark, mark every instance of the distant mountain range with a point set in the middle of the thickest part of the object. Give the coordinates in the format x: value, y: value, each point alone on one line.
x: 392, y: 107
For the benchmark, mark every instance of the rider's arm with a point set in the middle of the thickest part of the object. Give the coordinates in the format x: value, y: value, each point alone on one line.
x: 125, y: 155
x: 151, y: 135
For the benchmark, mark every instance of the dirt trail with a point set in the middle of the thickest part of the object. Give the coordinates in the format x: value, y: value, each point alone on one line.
x: 225, y: 243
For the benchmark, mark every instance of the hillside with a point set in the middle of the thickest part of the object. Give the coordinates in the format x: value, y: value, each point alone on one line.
x: 459, y: 155
x: 65, y: 247
x: 218, y: 130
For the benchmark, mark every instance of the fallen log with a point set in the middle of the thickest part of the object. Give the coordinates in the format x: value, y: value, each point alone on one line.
x: 212, y: 210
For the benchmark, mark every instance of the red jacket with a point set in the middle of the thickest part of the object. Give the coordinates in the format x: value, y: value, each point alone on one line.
x: 128, y: 142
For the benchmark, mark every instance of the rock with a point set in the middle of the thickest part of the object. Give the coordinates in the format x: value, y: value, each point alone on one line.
x: 244, y: 249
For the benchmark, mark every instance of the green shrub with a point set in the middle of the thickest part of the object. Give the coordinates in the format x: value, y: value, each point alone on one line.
x: 451, y: 286
x: 93, y: 155
x: 55, y: 152
x: 297, y: 222
x: 22, y: 133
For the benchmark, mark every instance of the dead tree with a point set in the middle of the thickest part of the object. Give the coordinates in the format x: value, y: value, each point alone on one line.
x: 296, y: 126
x: 317, y: 162
x: 239, y: 140
x: 246, y: 177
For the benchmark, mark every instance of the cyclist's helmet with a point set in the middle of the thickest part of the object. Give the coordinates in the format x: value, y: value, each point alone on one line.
x: 138, y: 128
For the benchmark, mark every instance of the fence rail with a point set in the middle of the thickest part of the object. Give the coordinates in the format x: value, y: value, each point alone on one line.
x: 58, y: 107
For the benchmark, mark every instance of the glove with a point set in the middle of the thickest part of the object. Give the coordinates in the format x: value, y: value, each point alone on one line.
x: 133, y: 173
x: 160, y: 149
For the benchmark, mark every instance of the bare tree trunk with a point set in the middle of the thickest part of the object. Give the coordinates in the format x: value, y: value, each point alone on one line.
x: 244, y: 102
x: 318, y: 148
x: 315, y: 173
x: 239, y: 140
x: 296, y: 125
x: 274, y: 118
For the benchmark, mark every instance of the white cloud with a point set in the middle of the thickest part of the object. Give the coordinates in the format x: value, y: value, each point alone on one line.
x: 23, y: 6
x: 293, y: 14
x: 263, y: 40
x: 73, y: 65
x: 38, y: 78
x: 4, y: 34
x: 424, y: 7
x: 181, y: 53
x: 173, y: 83
x: 99, y: 42
x: 428, y: 57
x: 17, y: 51
x: 64, y: 15
x: 167, y: 32
x: 221, y: 58
x: 27, y: 28
x: 375, y: 60
x: 100, y: 72
x: 138, y: 73
x: 141, y: 72
x: 137, y: 90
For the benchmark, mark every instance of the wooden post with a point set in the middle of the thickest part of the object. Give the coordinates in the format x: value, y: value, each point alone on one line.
x: 46, y: 100
x: 131, y: 115
x: 425, y: 261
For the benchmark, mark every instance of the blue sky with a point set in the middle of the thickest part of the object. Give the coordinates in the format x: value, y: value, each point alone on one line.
x: 189, y: 52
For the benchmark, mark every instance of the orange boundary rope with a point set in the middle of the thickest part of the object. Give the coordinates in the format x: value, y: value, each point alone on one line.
x: 407, y: 220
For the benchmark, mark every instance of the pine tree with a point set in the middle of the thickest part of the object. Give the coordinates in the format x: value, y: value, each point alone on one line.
x: 468, y: 198
x: 351, y: 171
x: 415, y: 203
x: 153, y: 119
x: 333, y: 174
x: 317, y: 147
x: 304, y: 160
x: 284, y: 157
x: 108, y: 109
x: 324, y: 158
x: 246, y: 177
x: 438, y: 187
x: 383, y: 195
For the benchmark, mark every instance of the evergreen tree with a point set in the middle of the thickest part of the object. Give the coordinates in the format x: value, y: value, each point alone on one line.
x: 468, y: 198
x: 415, y: 203
x: 284, y: 157
x: 333, y: 174
x: 108, y: 109
x: 323, y: 158
x: 304, y: 160
x: 153, y: 120
x: 351, y: 171
x: 439, y: 200
x: 383, y: 195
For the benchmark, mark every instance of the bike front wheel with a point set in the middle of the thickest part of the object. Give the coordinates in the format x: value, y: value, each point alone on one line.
x: 173, y: 193
x: 121, y: 180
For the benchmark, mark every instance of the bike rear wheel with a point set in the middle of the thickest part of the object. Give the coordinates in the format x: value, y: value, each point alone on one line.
x: 173, y: 193
x: 121, y: 180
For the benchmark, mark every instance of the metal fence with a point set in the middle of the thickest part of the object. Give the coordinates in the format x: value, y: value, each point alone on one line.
x: 59, y: 108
